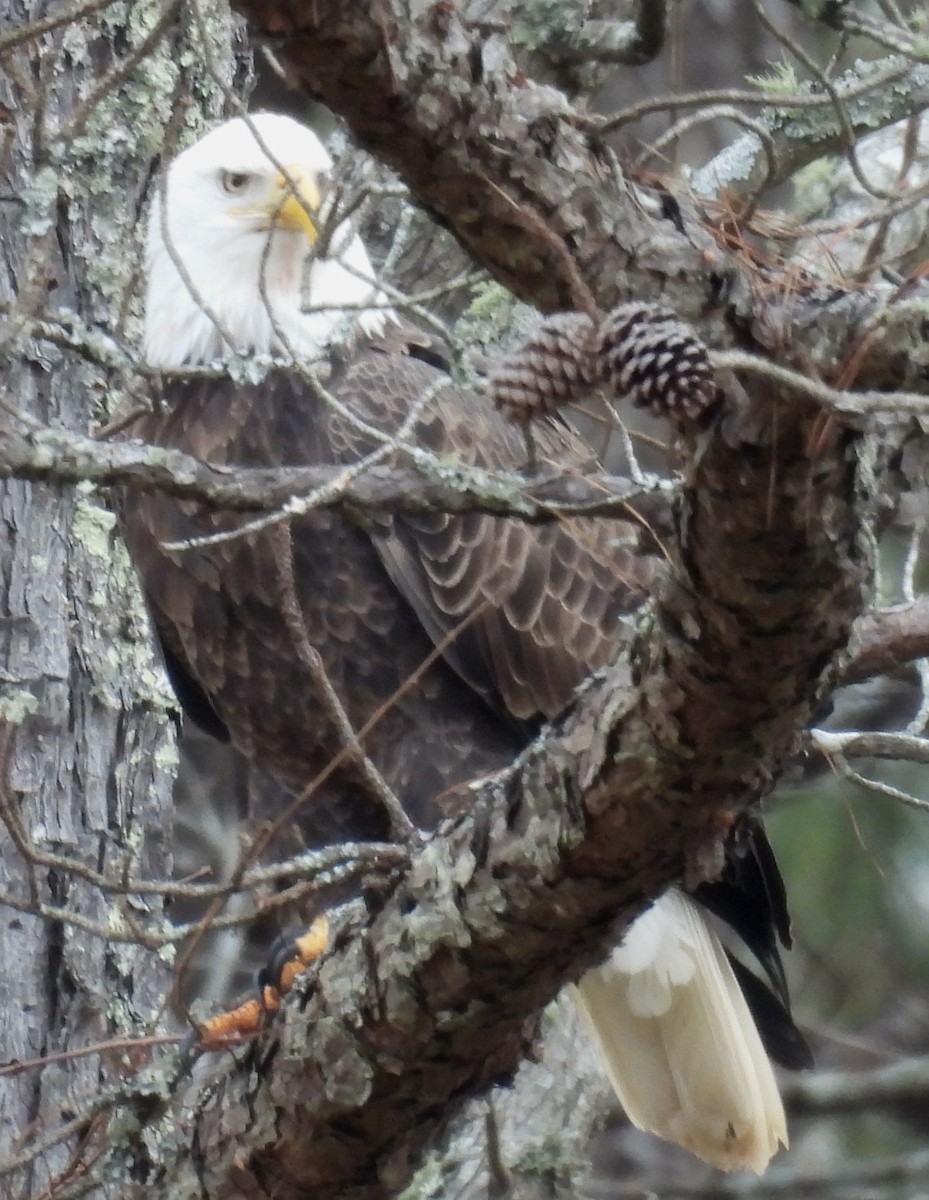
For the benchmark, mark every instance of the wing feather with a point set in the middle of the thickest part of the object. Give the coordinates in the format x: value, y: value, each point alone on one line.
x: 519, y: 613
x: 480, y: 584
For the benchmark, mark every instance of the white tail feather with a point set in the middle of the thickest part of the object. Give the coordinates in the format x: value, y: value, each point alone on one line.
x: 679, y: 1044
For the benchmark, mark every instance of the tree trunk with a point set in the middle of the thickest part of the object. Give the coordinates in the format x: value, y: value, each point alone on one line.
x: 86, y: 767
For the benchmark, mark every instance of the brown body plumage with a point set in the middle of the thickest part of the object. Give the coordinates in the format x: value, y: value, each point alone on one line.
x: 435, y: 644
x: 524, y: 612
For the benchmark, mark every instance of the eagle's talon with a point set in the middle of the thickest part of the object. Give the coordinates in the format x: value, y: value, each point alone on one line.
x: 229, y: 1028
x: 289, y: 957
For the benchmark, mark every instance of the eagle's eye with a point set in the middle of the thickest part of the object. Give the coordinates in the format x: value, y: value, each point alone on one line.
x: 234, y: 181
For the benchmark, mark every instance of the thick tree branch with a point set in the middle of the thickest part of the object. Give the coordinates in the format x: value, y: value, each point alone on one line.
x: 526, y: 186
x: 430, y: 993
x: 530, y: 191
x: 432, y: 990
x: 573, y: 45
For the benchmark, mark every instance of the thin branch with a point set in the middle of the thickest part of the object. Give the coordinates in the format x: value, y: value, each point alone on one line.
x: 872, y: 745
x: 891, y: 1086
x: 38, y: 29
x: 900, y: 406
x: 711, y: 97
x: 799, y: 138
x: 332, y: 709
x: 889, y: 638
x: 107, y: 1047
x: 55, y: 455
x: 335, y: 489
x: 836, y: 747
x: 863, y: 1180
x: 158, y: 934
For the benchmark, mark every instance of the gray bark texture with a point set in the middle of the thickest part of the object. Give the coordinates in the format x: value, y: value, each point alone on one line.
x: 433, y: 988
x: 87, y: 751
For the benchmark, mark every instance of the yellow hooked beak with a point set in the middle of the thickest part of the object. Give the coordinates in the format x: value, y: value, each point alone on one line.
x: 293, y: 202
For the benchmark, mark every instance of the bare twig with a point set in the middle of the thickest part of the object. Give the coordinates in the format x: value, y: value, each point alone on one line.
x: 425, y: 485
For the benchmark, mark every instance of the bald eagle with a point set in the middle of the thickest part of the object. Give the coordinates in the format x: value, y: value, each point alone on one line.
x: 442, y: 641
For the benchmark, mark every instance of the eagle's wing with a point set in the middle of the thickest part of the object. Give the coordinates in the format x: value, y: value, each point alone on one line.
x: 458, y: 633
x: 521, y: 614
x: 524, y: 612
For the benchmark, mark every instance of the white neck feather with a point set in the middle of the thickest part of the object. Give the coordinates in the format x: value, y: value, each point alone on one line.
x: 243, y: 294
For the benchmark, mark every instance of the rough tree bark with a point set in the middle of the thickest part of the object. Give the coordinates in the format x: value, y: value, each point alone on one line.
x: 429, y: 994
x: 529, y: 189
x: 87, y: 749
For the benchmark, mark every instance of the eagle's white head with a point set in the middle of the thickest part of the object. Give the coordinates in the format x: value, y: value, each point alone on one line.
x: 229, y: 238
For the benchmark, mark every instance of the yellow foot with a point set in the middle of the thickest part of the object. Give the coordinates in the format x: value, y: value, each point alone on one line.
x: 242, y: 1022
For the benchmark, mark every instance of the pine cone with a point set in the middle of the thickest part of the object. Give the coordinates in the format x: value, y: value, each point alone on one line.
x: 650, y: 357
x: 547, y: 371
